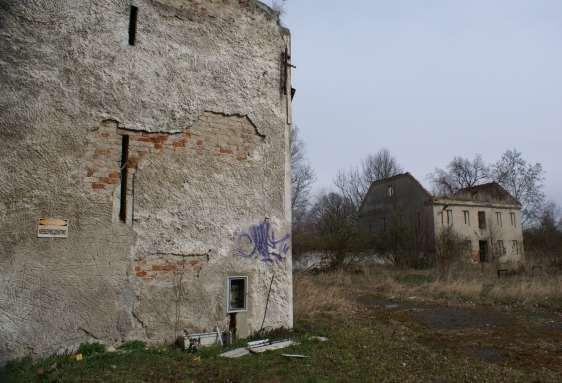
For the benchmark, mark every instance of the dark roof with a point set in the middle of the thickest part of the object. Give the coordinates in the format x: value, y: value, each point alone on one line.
x: 390, y: 179
x: 491, y: 189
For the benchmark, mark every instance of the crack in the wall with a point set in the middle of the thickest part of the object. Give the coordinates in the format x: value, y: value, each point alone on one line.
x: 90, y: 334
x: 241, y: 115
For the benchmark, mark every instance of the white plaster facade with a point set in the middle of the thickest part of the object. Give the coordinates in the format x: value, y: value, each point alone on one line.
x: 200, y: 101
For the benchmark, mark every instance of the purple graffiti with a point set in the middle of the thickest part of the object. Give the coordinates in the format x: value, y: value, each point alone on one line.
x: 265, y: 246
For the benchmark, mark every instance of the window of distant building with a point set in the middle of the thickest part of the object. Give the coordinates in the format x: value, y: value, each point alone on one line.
x: 449, y: 217
x: 468, y: 246
x: 466, y: 214
x: 512, y: 218
x: 501, y: 247
x: 390, y: 191
x: 515, y: 247
x: 481, y: 219
x: 499, y: 219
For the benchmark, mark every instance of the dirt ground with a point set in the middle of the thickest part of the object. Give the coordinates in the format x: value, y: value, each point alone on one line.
x: 518, y: 338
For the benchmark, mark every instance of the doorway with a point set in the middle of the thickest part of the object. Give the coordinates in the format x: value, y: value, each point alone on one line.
x: 483, y: 245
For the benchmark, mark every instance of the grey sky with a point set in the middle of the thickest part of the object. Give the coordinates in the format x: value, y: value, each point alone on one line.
x: 428, y: 80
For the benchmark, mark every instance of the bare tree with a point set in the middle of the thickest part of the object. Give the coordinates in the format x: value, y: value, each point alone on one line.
x: 302, y: 177
x: 334, y: 220
x: 523, y: 180
x: 354, y: 183
x: 380, y: 166
x: 460, y: 173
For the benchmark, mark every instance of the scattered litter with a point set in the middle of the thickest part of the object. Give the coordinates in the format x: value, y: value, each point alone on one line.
x: 259, y: 346
x: 258, y: 343
x: 78, y: 357
x: 295, y: 356
x: 192, y: 342
x: 271, y: 346
x: 319, y: 338
x: 392, y: 306
x: 236, y: 353
x: 111, y: 349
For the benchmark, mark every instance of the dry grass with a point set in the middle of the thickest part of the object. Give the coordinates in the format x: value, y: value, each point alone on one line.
x: 335, y: 291
x: 322, y: 294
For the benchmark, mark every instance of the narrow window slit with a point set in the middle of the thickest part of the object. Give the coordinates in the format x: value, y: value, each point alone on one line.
x: 133, y: 25
x: 124, y: 173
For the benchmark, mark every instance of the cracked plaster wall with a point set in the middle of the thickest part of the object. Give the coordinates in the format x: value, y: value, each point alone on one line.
x: 199, y: 95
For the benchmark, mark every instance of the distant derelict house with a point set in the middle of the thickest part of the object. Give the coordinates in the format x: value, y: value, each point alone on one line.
x: 486, y: 217
x: 144, y: 171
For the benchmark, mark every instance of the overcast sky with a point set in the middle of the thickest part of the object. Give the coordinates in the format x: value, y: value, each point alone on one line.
x: 428, y: 80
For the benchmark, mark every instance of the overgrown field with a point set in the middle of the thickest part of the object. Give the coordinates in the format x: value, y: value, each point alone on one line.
x: 382, y: 324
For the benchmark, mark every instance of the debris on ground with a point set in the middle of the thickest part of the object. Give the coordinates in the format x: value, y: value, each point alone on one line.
x: 192, y: 342
x: 295, y: 356
x: 78, y: 357
x: 259, y: 346
x: 319, y: 338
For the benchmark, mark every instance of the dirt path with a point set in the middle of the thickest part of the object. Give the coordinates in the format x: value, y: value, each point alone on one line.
x: 501, y: 335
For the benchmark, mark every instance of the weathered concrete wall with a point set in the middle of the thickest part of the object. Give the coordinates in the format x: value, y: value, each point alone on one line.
x: 502, y: 229
x: 202, y: 96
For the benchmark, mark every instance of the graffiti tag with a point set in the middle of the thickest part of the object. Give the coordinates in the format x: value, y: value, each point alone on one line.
x: 263, y: 244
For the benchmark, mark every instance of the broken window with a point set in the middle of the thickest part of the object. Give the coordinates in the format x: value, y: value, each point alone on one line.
x: 501, y: 247
x: 390, y: 191
x: 466, y: 214
x: 236, y: 294
x: 499, y: 219
x: 512, y: 218
x: 449, y: 217
x: 515, y: 247
x: 481, y: 220
x: 441, y: 215
x: 133, y: 24
x: 124, y: 174
x: 468, y: 246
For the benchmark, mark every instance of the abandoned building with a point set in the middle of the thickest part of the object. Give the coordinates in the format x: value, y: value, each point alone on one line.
x: 485, y: 217
x: 144, y: 173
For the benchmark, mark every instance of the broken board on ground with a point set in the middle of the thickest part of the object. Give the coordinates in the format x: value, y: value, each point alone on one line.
x: 258, y: 347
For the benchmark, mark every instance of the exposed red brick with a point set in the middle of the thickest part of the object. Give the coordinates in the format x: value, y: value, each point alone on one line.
x: 102, y: 152
x: 115, y: 175
x: 179, y: 143
x: 141, y: 274
x: 199, y: 142
x: 158, y: 145
x: 98, y: 185
x: 163, y: 267
x: 133, y: 162
x: 225, y: 151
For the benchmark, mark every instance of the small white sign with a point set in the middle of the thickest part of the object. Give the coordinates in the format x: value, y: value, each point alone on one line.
x: 52, y: 228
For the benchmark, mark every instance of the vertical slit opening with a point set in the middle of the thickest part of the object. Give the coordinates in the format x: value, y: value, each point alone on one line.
x: 124, y: 160
x: 133, y: 24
